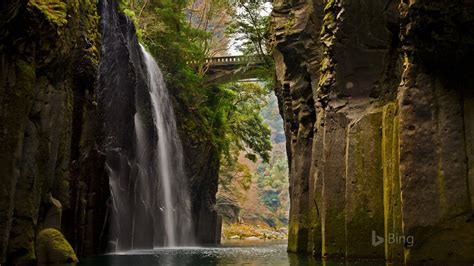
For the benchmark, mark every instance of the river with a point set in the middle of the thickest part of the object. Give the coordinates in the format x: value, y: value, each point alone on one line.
x: 229, y: 253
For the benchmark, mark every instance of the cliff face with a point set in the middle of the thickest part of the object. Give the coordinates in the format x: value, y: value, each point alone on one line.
x: 202, y: 160
x: 48, y: 61
x: 122, y: 94
x: 54, y: 128
x: 376, y: 101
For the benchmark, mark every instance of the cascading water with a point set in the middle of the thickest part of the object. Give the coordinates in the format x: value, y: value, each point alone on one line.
x: 150, y: 204
x: 176, y: 204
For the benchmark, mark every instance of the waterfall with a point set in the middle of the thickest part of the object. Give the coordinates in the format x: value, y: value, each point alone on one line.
x: 150, y: 196
x: 150, y: 204
x: 175, y: 198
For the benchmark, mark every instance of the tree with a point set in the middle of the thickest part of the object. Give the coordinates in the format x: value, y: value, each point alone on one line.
x: 249, y: 28
x: 239, y: 121
x: 178, y: 32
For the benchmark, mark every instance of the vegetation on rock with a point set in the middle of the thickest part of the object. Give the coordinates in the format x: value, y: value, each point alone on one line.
x: 53, y: 248
x: 180, y: 32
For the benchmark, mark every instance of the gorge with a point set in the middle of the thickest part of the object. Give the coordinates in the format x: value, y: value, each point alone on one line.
x: 104, y: 146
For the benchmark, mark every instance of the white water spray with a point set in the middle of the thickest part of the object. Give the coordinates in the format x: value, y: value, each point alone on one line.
x: 175, y: 199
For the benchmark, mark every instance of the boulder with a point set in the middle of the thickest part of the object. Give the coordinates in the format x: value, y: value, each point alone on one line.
x: 53, y: 248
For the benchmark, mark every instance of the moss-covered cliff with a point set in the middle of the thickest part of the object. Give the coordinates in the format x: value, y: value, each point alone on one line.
x: 53, y: 125
x: 379, y: 90
x: 49, y: 58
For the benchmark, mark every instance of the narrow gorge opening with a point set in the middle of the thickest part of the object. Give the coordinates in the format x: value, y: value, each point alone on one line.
x: 253, y: 195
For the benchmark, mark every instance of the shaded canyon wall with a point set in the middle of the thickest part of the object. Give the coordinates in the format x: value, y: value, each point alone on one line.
x: 377, y: 102
x: 51, y: 128
x: 49, y: 58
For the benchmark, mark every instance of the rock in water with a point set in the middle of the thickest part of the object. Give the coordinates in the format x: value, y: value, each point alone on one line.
x: 252, y: 238
x: 53, y: 248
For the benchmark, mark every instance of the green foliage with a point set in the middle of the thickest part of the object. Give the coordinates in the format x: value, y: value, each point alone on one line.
x: 267, y: 197
x: 272, y: 182
x: 231, y: 169
x: 227, y: 116
x: 242, y: 124
x: 275, y: 176
x: 175, y: 43
x: 124, y: 7
x: 54, y: 10
x: 249, y: 28
x: 270, y: 198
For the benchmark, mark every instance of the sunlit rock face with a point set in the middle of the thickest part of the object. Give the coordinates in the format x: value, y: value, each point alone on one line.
x: 381, y: 92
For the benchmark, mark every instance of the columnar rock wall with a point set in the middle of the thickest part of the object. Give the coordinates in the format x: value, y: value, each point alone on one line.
x: 48, y: 66
x: 376, y: 98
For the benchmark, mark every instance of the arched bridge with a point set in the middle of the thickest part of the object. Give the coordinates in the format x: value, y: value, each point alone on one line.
x: 223, y: 69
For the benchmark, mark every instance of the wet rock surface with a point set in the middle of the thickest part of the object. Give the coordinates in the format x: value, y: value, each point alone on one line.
x: 49, y: 57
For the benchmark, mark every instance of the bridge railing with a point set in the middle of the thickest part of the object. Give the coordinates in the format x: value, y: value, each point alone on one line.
x: 225, y: 60
x: 228, y: 59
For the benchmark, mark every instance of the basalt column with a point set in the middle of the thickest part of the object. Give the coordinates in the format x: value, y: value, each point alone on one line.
x: 435, y: 136
x: 49, y: 58
x: 344, y: 56
x: 392, y: 134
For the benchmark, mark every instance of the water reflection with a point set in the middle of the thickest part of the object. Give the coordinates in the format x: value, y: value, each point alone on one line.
x: 230, y: 253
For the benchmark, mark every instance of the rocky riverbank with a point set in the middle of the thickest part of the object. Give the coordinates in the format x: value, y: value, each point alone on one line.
x: 242, y: 231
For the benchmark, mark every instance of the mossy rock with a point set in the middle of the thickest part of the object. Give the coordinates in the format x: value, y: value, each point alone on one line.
x: 53, y: 248
x: 54, y: 10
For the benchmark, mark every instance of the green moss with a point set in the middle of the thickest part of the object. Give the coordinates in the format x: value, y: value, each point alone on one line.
x: 333, y: 232
x: 314, y: 234
x: 26, y: 76
x: 291, y: 22
x: 332, y: 14
x: 364, y: 188
x: 55, y: 11
x: 90, y: 18
x: 52, y: 247
x: 298, y: 233
x: 124, y: 7
x: 329, y: 5
x: 21, y: 250
x: 392, y: 203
